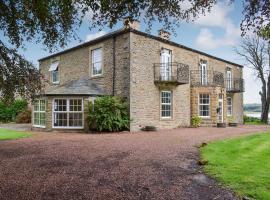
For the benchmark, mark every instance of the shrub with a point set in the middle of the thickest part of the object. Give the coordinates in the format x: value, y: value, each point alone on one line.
x: 248, y: 119
x: 9, y: 112
x: 196, y: 121
x: 108, y: 114
x: 24, y: 117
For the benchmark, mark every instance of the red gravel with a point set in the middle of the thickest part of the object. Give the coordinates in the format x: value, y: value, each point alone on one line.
x: 156, y: 165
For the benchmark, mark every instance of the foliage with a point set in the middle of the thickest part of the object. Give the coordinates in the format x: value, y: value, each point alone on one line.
x: 256, y: 53
x: 196, y: 121
x: 241, y: 164
x: 53, y: 23
x: 8, y: 113
x: 108, y: 114
x: 6, y: 134
x: 252, y: 120
x: 17, y: 76
x: 24, y: 117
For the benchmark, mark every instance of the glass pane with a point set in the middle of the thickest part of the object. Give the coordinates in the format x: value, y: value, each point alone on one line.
x: 60, y: 119
x: 97, y: 69
x: 75, y: 119
x: 60, y: 105
x: 96, y: 55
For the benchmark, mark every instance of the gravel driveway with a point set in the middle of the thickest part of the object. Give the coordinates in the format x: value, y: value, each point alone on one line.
x: 149, y: 165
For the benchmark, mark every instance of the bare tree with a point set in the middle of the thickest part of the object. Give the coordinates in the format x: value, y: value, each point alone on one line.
x: 256, y: 52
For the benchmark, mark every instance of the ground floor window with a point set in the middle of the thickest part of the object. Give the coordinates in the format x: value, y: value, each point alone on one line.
x: 39, y: 113
x: 229, y: 106
x: 166, y: 104
x: 204, y: 105
x: 68, y: 113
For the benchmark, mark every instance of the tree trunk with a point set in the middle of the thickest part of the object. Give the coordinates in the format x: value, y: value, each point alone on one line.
x: 264, y: 118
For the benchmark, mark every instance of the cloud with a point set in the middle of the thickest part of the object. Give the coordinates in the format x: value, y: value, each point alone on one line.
x: 94, y: 35
x: 217, y: 18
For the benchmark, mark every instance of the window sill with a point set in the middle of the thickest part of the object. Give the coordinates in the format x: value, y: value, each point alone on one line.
x: 37, y: 126
x: 166, y: 119
x: 97, y: 76
x: 56, y: 83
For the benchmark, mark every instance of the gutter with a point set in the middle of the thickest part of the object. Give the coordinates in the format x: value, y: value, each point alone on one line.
x: 113, y: 78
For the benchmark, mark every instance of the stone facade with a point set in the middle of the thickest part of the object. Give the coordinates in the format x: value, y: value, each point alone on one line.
x: 135, y: 55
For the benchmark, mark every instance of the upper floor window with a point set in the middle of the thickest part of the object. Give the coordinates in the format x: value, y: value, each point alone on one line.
x: 229, y: 79
x: 97, y: 62
x: 54, y: 72
x: 203, y: 72
x: 204, y: 105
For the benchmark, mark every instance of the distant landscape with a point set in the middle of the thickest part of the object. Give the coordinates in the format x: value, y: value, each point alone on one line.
x: 252, y: 108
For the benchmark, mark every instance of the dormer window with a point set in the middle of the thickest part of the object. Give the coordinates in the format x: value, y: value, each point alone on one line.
x: 96, y: 62
x: 54, y: 72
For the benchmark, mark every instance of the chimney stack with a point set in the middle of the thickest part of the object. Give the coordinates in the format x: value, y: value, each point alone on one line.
x: 164, y: 34
x: 135, y: 24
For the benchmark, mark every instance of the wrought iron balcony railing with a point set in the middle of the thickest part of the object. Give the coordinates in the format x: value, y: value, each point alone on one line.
x: 171, y: 73
x: 206, y: 78
x: 235, y: 85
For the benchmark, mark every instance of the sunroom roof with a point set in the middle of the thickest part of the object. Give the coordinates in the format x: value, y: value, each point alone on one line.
x: 82, y: 86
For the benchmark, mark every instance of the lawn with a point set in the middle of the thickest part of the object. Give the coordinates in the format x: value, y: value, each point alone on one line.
x: 6, y: 134
x: 243, y: 164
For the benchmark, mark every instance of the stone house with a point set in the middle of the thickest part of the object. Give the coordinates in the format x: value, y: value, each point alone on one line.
x: 165, y: 83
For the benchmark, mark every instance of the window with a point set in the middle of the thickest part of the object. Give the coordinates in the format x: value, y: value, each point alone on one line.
x: 39, y: 113
x: 96, y: 62
x: 55, y: 76
x: 203, y: 72
x: 54, y: 72
x: 204, y: 105
x: 68, y: 113
x: 166, y: 104
x: 165, y: 66
x: 229, y: 106
x: 229, y: 79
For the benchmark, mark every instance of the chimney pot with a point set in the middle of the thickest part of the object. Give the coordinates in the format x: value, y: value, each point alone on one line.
x: 164, y: 34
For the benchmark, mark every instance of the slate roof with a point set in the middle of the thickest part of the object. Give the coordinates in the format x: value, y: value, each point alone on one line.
x: 83, y: 86
x: 126, y: 30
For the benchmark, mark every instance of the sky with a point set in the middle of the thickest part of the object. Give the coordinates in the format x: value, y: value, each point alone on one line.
x: 217, y: 33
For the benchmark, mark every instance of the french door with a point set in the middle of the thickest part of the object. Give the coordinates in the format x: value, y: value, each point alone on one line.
x: 165, y: 66
x: 220, y: 108
x: 203, y: 73
x: 229, y: 79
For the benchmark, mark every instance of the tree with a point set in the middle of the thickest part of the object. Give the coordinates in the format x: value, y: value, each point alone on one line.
x: 256, y: 52
x: 54, y: 22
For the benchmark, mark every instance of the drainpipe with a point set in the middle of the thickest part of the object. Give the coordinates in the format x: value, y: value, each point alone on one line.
x: 113, y: 81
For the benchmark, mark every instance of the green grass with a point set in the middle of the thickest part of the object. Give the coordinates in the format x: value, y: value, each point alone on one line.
x: 6, y: 134
x: 255, y: 123
x: 243, y: 164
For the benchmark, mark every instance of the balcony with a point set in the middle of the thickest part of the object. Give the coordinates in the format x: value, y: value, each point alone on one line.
x: 235, y: 85
x: 171, y: 73
x: 206, y: 78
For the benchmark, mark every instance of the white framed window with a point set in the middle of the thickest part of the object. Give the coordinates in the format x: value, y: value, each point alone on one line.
x: 229, y: 79
x: 204, y: 105
x: 68, y: 113
x: 54, y: 72
x: 39, y: 113
x: 203, y: 72
x: 96, y: 64
x: 229, y: 106
x: 166, y: 104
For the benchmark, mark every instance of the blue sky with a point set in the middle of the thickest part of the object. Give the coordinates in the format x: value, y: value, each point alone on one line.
x: 217, y: 33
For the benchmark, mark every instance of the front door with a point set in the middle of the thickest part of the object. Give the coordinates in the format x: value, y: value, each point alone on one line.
x: 220, y: 109
x: 165, y: 66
